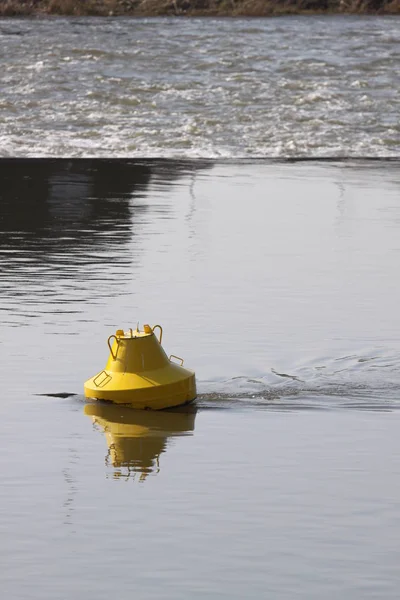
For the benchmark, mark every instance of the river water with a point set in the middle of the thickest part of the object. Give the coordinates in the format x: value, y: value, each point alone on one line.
x: 278, y: 283
x: 276, y: 279
x: 293, y: 86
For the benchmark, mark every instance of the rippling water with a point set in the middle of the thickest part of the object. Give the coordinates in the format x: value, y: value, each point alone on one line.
x: 293, y: 86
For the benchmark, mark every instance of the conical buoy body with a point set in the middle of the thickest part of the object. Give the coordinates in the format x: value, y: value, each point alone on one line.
x: 139, y: 373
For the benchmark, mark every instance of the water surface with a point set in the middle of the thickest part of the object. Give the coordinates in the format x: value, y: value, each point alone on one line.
x: 278, y: 282
x: 291, y: 86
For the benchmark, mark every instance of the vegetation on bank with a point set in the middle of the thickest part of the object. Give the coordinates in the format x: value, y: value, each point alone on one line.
x: 216, y: 8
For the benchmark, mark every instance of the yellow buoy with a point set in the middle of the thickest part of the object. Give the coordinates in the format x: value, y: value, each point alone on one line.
x: 139, y: 373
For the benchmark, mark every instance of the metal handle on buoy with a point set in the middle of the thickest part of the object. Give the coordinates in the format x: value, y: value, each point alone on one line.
x: 160, y: 328
x: 109, y: 345
x: 105, y: 379
x: 178, y: 357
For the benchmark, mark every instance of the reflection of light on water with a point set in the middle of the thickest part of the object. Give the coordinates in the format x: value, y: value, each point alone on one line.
x: 135, y: 438
x: 70, y: 481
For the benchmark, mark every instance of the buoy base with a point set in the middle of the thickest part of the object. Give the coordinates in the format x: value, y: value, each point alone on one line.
x: 151, y: 390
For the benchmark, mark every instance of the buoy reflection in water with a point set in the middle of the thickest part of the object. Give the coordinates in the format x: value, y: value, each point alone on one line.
x: 136, y: 438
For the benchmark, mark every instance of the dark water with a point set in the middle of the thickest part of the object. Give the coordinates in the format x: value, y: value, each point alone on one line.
x: 293, y: 86
x: 278, y: 283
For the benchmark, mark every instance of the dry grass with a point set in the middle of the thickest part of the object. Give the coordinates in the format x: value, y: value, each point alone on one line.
x: 393, y: 7
x: 248, y: 8
x: 11, y: 8
x: 57, y: 7
x: 71, y: 7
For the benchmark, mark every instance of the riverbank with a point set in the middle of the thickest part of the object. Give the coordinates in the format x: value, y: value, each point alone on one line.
x: 214, y: 8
